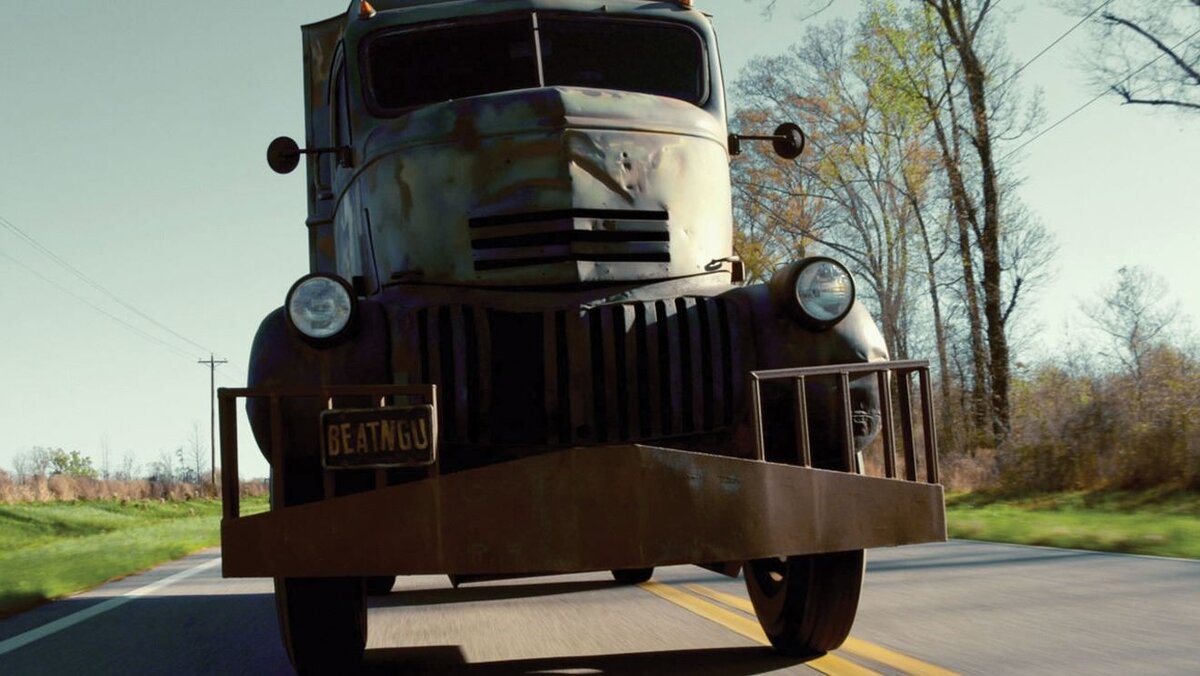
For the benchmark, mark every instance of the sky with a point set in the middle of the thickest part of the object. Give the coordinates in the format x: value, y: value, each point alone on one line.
x: 132, y: 139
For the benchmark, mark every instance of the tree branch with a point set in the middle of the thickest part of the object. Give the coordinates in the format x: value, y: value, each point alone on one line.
x: 1183, y: 65
x: 1124, y: 93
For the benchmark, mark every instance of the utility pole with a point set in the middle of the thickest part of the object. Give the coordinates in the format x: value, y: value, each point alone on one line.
x: 212, y: 414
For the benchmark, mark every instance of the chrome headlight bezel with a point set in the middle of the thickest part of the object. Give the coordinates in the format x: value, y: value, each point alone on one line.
x: 307, y: 294
x: 799, y: 301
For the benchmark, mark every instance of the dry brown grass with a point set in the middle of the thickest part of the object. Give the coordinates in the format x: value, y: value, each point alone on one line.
x: 61, y: 488
x: 957, y: 471
x: 969, y: 471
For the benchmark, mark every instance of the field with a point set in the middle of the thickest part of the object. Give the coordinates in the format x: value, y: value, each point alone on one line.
x: 52, y: 549
x: 1160, y: 523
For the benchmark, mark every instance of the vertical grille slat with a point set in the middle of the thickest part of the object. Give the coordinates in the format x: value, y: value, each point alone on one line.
x: 599, y: 386
x: 443, y: 343
x: 715, y: 370
x: 618, y: 372
x: 550, y: 363
x: 579, y: 344
x: 703, y: 327
x: 613, y: 375
x: 423, y: 340
x: 435, y: 373
x: 566, y: 405
x: 483, y: 373
x: 651, y: 377
x: 471, y: 375
x: 688, y: 365
x: 634, y: 369
x: 733, y: 383
x: 458, y: 376
x: 620, y: 369
x: 672, y: 380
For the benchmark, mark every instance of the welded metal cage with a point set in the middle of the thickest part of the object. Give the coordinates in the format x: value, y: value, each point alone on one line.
x: 904, y: 371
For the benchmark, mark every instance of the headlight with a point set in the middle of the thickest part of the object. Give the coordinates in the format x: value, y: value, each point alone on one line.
x: 819, y: 291
x: 320, y: 306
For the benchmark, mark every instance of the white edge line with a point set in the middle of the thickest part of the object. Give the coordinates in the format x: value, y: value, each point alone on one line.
x: 1073, y: 549
x: 21, y: 640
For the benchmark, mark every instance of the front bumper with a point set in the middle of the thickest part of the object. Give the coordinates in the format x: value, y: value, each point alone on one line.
x: 593, y: 508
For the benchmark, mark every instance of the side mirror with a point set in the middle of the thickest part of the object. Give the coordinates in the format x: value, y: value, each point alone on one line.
x: 283, y: 155
x: 788, y: 141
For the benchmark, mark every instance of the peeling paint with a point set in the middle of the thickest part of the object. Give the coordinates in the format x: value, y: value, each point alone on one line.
x: 425, y: 176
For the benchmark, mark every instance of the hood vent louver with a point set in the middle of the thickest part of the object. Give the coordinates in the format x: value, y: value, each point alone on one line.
x: 570, y: 235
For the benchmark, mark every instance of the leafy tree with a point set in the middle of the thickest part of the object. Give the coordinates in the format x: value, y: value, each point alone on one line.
x: 71, y: 463
x: 859, y: 189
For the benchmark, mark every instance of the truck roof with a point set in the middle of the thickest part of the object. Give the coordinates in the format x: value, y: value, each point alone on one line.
x: 382, y: 5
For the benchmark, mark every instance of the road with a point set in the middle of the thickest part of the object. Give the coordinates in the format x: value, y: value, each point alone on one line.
x: 961, y: 606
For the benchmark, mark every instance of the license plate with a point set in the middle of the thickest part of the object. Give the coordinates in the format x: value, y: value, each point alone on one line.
x: 402, y: 436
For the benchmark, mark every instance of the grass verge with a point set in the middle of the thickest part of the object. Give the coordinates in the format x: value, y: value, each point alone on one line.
x: 1159, y: 523
x: 48, y: 550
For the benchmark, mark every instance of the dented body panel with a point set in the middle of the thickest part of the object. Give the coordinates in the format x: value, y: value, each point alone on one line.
x: 458, y: 192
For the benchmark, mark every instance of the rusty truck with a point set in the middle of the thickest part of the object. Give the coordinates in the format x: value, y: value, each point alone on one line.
x: 526, y: 346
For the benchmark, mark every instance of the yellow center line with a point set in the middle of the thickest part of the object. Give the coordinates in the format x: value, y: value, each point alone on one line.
x: 828, y: 664
x: 854, y: 646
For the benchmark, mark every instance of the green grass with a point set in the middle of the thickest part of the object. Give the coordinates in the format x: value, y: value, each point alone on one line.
x: 1160, y: 523
x: 48, y: 550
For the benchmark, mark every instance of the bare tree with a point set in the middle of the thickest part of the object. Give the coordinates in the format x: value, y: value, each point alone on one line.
x: 33, y: 462
x: 1133, y: 311
x: 105, y: 463
x: 1147, y: 52
x: 22, y: 468
x: 196, y: 458
x: 163, y: 470
x: 130, y: 468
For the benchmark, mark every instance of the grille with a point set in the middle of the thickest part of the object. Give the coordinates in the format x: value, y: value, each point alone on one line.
x: 570, y: 235
x: 622, y: 372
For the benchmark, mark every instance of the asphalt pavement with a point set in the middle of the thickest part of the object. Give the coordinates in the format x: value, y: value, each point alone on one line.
x: 964, y: 607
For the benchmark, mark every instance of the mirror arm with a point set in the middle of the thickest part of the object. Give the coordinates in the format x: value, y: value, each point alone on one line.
x: 342, y: 152
x: 788, y: 140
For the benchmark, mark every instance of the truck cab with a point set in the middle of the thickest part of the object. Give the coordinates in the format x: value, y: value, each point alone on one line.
x: 525, y: 324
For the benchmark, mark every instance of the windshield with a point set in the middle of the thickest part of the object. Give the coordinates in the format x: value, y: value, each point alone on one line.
x: 428, y: 65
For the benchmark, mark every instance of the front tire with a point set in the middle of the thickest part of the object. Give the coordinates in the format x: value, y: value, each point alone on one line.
x: 380, y: 585
x: 323, y: 622
x: 806, y: 604
x: 632, y: 575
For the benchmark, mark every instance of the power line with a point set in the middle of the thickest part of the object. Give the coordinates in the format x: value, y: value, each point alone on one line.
x: 1055, y: 42
x: 94, y: 284
x: 148, y: 336
x: 1097, y: 97
x: 97, y: 308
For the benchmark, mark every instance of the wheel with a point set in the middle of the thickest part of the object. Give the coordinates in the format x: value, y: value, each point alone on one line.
x: 632, y: 575
x: 806, y: 604
x: 380, y: 585
x: 323, y: 622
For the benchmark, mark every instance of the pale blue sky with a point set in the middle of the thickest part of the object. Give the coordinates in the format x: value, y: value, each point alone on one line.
x: 132, y: 136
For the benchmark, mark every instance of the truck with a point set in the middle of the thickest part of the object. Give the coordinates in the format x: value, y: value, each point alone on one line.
x: 525, y: 345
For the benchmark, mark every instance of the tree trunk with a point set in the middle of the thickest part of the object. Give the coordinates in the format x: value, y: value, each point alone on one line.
x: 964, y: 215
x: 961, y: 37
